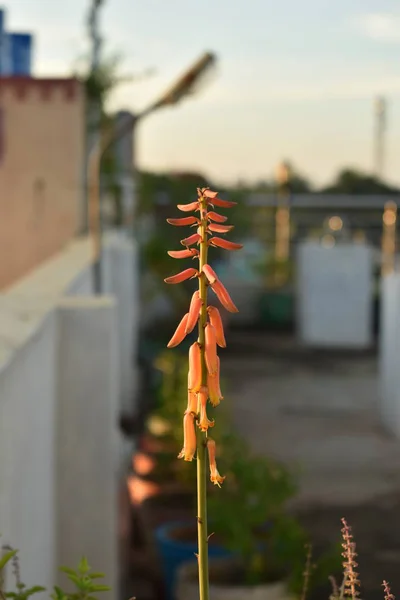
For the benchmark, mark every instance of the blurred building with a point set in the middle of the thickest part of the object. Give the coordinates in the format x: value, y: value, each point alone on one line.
x: 310, y: 213
x: 42, y: 142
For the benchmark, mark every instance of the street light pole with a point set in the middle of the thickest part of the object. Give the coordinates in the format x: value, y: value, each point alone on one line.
x: 179, y: 90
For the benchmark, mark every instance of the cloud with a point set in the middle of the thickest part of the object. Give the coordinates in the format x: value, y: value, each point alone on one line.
x: 381, y: 27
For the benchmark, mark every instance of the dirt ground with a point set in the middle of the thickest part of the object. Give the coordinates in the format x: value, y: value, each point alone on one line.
x: 318, y: 411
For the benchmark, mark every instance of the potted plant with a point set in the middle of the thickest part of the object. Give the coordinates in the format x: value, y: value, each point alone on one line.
x: 163, y: 488
x: 267, y: 546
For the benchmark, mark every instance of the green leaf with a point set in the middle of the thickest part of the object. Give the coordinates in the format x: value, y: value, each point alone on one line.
x: 100, y: 588
x: 58, y: 593
x: 83, y: 566
x: 96, y: 575
x: 78, y: 581
x: 6, y: 558
x: 67, y: 570
x: 11, y: 595
x: 36, y: 589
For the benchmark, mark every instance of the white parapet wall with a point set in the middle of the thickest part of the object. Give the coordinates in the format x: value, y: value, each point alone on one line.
x: 334, y: 302
x: 64, y: 377
x: 389, y: 349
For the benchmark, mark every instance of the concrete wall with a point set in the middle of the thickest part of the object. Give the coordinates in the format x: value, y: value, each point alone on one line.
x: 42, y: 138
x: 60, y: 395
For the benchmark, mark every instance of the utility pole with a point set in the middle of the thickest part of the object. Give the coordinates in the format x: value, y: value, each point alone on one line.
x: 379, y: 141
x: 94, y: 136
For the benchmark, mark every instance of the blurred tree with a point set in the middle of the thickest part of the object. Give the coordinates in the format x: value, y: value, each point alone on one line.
x: 351, y: 181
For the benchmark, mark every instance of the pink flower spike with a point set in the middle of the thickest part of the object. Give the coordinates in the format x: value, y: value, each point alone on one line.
x: 189, y: 437
x: 213, y: 216
x: 194, y: 381
x: 183, y: 221
x: 182, y: 276
x: 180, y: 333
x: 214, y: 389
x: 188, y: 253
x: 215, y: 477
x: 221, y: 243
x: 204, y: 422
x: 210, y: 349
x: 223, y: 203
x: 216, y: 322
x: 220, y: 228
x: 194, y: 311
x: 210, y: 274
x: 192, y: 239
x: 188, y: 207
x: 223, y: 296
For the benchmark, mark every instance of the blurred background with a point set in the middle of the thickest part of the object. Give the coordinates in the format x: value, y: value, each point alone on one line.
x: 111, y: 113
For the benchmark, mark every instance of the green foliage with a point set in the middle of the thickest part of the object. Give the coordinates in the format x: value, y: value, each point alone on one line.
x: 172, y: 399
x: 351, y: 181
x: 84, y: 580
x: 9, y: 555
x: 249, y: 513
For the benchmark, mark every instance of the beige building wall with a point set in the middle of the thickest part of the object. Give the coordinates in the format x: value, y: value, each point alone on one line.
x: 42, y: 145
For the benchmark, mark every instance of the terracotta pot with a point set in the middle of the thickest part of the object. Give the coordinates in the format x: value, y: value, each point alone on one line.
x: 222, y: 570
x: 174, y: 504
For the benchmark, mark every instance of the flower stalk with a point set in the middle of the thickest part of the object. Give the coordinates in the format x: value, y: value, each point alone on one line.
x: 204, y: 363
x: 202, y: 533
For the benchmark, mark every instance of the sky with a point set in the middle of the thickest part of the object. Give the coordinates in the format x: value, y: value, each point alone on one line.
x: 296, y: 79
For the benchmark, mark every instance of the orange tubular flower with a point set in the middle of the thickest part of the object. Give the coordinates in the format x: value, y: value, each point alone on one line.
x: 210, y: 274
x: 223, y: 203
x: 180, y: 333
x: 221, y: 243
x: 216, y: 322
x: 192, y: 402
x: 223, y: 296
x: 204, y: 423
x: 207, y: 193
x: 188, y: 207
x: 189, y: 437
x: 194, y: 311
x: 220, y: 228
x: 192, y: 239
x: 210, y: 349
x: 182, y: 276
x: 215, y: 477
x: 194, y: 367
x: 213, y: 216
x: 188, y: 253
x: 214, y: 389
x: 184, y: 221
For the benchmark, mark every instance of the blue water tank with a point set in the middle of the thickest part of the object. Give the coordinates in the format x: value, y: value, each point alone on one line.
x: 21, y: 53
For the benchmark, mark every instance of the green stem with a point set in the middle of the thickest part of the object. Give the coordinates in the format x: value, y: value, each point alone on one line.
x: 202, y: 437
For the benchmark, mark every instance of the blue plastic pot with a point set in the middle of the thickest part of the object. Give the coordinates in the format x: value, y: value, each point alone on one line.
x: 174, y: 552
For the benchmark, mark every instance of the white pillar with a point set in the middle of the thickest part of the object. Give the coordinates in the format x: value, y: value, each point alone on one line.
x: 389, y: 357
x: 121, y: 279
x: 87, y: 437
